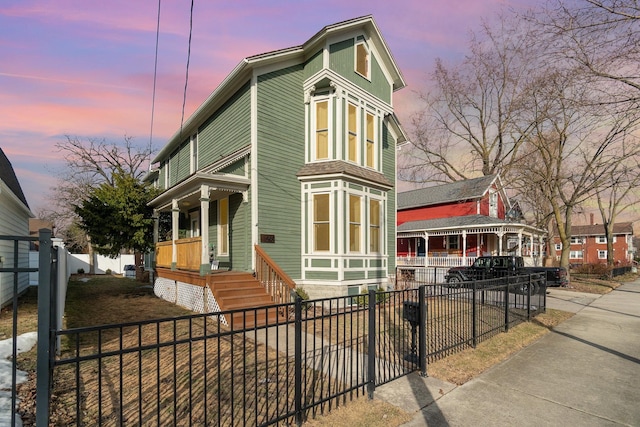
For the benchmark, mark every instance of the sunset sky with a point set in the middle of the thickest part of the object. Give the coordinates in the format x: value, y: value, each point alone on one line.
x: 85, y: 67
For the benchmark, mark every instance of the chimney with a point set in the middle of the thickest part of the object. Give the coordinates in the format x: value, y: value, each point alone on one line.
x: 591, y: 218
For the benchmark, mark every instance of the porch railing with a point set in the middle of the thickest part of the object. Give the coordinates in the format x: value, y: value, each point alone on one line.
x: 273, y: 278
x: 189, y: 253
x: 433, y: 261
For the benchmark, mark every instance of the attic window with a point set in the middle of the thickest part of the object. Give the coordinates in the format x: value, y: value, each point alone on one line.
x: 362, y: 59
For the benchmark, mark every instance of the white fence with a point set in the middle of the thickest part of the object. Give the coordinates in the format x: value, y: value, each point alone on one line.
x: 75, y: 262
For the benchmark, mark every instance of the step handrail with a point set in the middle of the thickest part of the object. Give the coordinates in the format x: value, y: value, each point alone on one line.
x: 277, y: 283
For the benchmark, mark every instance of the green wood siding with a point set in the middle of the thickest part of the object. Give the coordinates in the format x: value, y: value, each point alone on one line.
x: 341, y: 60
x: 313, y: 65
x: 179, y: 164
x: 280, y: 156
x: 237, y: 168
x: 389, y: 169
x: 228, y: 129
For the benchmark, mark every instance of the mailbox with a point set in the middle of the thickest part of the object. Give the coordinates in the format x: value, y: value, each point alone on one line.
x: 411, y: 312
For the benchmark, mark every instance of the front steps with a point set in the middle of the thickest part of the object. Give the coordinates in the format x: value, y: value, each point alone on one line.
x: 241, y: 291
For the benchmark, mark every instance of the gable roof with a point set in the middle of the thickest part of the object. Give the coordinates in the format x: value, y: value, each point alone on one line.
x: 598, y: 229
x: 8, y: 176
x: 467, y: 189
x: 243, y: 71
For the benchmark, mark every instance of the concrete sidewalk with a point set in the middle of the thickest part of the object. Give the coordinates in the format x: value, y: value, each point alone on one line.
x: 586, y: 372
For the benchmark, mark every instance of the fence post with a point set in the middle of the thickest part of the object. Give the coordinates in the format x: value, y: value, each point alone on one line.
x: 474, y: 314
x: 298, y: 361
x: 529, y: 298
x: 371, y: 359
x: 422, y: 331
x: 43, y: 368
x: 506, y: 304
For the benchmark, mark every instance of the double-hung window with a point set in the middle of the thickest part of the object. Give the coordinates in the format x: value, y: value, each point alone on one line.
x: 322, y: 130
x: 602, y: 254
x: 371, y: 141
x: 575, y: 254
x: 352, y: 133
x: 355, y: 223
x: 374, y: 226
x: 321, y: 222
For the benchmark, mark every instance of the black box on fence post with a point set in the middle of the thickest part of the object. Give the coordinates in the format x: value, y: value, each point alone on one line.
x: 411, y: 313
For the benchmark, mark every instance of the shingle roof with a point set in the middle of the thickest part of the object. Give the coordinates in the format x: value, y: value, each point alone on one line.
x: 598, y: 229
x: 340, y: 167
x: 454, y: 221
x: 8, y: 176
x: 453, y: 192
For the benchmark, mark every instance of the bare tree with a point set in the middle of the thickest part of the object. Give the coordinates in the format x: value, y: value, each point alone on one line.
x: 600, y: 37
x: 88, y: 164
x: 472, y: 121
x: 579, y: 147
x: 621, y: 182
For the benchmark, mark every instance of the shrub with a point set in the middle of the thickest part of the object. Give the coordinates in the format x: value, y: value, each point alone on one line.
x: 108, y: 272
x: 300, y: 292
x: 81, y: 271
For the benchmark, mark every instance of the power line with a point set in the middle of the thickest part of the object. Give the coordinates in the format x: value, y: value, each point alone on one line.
x: 155, y: 76
x: 186, y: 80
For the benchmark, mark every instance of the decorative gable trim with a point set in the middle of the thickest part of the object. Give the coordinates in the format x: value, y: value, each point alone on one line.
x: 227, y: 160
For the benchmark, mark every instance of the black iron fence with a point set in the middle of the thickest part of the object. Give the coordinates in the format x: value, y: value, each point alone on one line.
x: 47, y: 281
x: 277, y: 364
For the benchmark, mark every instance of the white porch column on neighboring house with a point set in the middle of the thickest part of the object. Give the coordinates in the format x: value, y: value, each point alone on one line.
x: 175, y: 223
x: 426, y: 249
x: 519, y: 243
x: 464, y: 247
x: 205, y: 265
x: 500, y: 236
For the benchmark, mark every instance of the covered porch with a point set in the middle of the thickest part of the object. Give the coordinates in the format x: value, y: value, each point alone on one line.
x: 195, y: 237
x: 458, y: 241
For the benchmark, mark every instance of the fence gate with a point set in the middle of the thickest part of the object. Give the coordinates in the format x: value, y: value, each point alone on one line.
x: 47, y: 284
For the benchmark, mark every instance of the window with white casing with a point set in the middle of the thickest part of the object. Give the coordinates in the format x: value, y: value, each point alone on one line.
x: 194, y: 153
x: 321, y: 118
x: 194, y: 223
x: 602, y: 254
x: 321, y: 222
x: 558, y: 246
x: 355, y: 223
x: 223, y: 226
x: 352, y: 133
x: 493, y: 204
x: 375, y: 222
x: 575, y: 254
x: 371, y: 146
x: 363, y: 60
x: 577, y: 240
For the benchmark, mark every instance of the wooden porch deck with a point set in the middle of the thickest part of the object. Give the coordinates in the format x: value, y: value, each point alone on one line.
x: 233, y: 290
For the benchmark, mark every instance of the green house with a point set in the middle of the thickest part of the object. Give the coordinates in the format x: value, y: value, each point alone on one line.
x: 291, y: 159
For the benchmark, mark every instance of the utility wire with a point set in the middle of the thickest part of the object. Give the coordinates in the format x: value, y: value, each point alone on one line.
x: 186, y: 80
x: 155, y: 76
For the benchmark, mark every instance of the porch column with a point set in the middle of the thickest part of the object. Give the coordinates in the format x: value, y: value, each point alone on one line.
x: 426, y: 249
x: 175, y: 224
x: 519, y: 243
x: 464, y: 247
x: 500, y: 236
x: 205, y: 264
x: 156, y: 223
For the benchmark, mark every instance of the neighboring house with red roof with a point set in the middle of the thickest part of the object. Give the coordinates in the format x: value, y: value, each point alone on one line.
x: 589, y: 244
x: 452, y: 224
x: 14, y: 221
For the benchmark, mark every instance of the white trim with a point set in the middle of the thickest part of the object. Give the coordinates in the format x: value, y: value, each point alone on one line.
x: 254, y: 167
